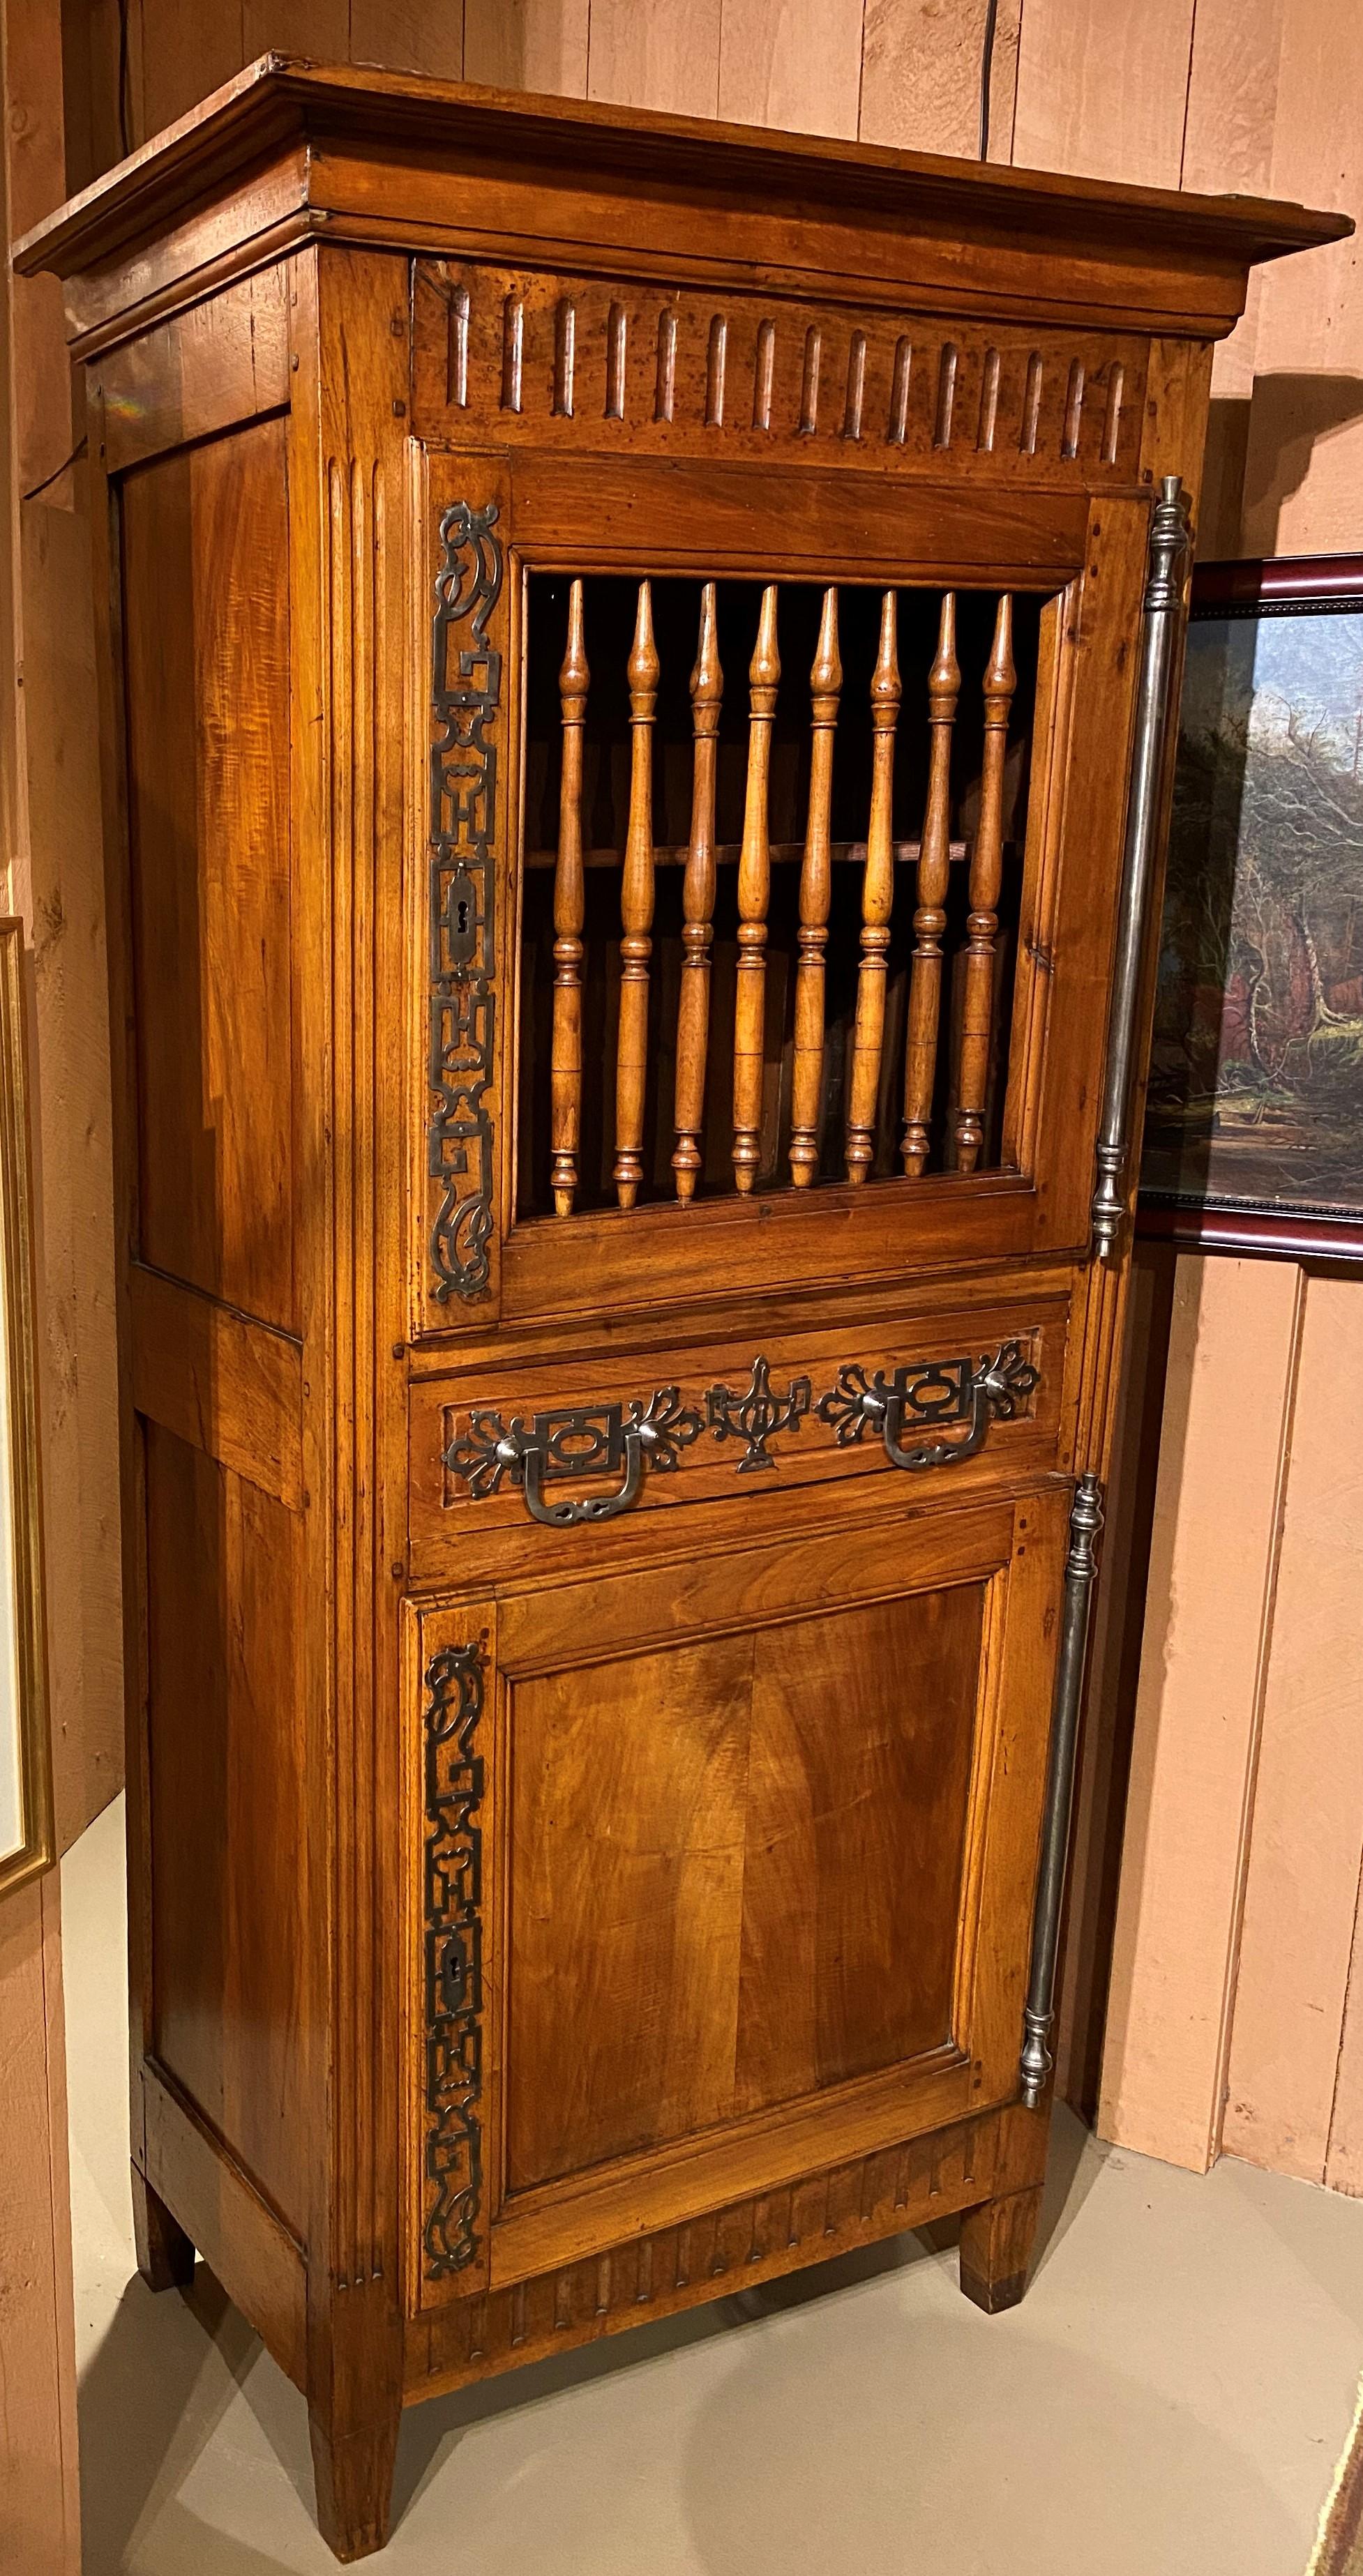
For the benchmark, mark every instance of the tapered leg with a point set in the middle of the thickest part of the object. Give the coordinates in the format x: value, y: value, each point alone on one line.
x: 165, y: 2256
x: 354, y: 2474
x: 996, y: 2249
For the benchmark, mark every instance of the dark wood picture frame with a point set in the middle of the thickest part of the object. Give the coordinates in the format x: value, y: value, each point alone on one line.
x: 1214, y: 1220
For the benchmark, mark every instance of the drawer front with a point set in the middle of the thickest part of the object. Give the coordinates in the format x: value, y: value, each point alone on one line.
x: 517, y: 1469
x: 720, y: 1871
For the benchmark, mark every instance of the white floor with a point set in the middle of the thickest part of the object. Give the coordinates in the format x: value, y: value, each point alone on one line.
x: 1170, y: 2399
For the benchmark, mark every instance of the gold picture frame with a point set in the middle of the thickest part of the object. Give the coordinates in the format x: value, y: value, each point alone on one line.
x: 27, y: 1841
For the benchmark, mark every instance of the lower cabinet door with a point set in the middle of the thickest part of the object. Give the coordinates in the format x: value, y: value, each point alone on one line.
x: 722, y: 1871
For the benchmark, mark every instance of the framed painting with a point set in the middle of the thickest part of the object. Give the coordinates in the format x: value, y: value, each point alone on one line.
x: 1254, y: 1116
x: 26, y: 1834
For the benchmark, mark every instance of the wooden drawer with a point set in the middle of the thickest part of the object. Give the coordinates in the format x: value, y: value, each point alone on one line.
x: 736, y: 1423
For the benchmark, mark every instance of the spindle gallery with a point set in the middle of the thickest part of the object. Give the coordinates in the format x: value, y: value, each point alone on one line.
x: 746, y: 1027
x: 637, y: 667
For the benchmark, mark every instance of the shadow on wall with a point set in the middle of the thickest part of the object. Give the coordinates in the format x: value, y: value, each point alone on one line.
x: 1114, y: 1677
x: 1259, y: 450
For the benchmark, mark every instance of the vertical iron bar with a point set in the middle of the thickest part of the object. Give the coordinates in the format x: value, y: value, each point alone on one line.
x: 1159, y: 630
x: 1081, y: 1568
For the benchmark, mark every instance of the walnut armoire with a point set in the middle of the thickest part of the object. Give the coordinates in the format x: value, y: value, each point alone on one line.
x: 637, y: 667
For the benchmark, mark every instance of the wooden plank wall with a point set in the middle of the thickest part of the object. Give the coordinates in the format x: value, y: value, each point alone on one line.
x: 1216, y: 94
x: 1237, y: 2015
x: 1229, y: 1986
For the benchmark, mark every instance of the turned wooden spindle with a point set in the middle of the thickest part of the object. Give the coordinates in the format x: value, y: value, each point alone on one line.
x: 930, y: 920
x: 877, y: 900
x: 754, y: 886
x: 565, y: 1065
x: 636, y: 912
x: 816, y: 879
x: 986, y: 878
x: 698, y: 903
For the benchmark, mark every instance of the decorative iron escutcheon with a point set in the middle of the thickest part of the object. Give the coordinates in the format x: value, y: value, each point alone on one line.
x: 755, y: 1413
x: 574, y: 1440
x: 933, y: 1394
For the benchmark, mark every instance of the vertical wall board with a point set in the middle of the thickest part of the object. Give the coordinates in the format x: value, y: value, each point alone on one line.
x: 1304, y: 465
x: 1104, y: 91
x: 409, y: 35
x: 185, y: 53
x: 1198, y: 1704
x: 1344, y: 2152
x: 665, y: 55
x: 318, y: 29
x: 101, y: 121
x: 1306, y: 1844
x: 1232, y: 95
x: 528, y: 44
x: 922, y: 68
x: 39, y: 391
x: 1228, y: 144
x: 791, y: 63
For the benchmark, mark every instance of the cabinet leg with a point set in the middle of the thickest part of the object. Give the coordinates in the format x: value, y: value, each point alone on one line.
x: 996, y: 2249
x: 354, y: 2474
x: 165, y: 2256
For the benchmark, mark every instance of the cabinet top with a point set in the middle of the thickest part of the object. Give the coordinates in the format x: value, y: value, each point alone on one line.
x: 291, y: 149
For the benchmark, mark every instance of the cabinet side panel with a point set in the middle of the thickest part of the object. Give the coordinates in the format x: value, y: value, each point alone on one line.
x: 205, y: 599
x: 229, y: 1859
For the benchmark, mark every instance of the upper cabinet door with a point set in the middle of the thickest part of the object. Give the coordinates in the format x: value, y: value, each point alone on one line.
x: 774, y: 843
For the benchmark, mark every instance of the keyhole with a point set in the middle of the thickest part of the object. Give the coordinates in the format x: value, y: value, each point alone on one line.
x: 462, y: 916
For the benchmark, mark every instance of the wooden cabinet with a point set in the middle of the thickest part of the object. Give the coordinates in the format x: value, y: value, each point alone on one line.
x: 637, y: 668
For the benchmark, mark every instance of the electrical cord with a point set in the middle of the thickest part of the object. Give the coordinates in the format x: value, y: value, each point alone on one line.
x: 77, y: 451
x: 991, y: 19
x: 124, y: 137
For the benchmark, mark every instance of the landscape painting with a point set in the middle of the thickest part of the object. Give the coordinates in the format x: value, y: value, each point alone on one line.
x: 1256, y: 1079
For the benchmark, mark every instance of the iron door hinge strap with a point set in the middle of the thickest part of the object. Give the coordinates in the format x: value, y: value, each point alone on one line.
x: 455, y: 1779
x: 466, y: 684
x: 1081, y: 1573
x: 1161, y: 613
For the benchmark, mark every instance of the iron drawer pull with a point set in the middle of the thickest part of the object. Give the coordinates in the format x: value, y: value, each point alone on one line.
x: 930, y: 1393
x: 595, y: 1507
x: 574, y: 1440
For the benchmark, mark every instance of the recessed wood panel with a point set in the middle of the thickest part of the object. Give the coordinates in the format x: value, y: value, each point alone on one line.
x: 628, y: 1788
x: 859, y: 1771
x: 205, y: 556
x: 736, y: 1874
x: 229, y: 1873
